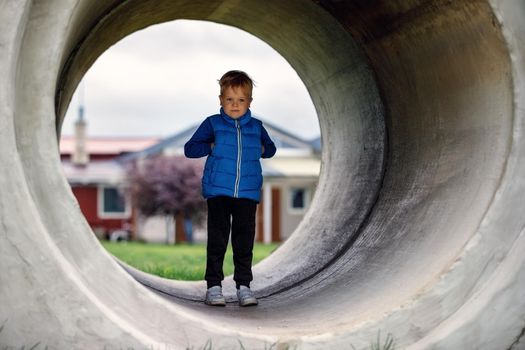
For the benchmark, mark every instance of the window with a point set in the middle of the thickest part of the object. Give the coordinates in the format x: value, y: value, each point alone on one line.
x: 298, y: 198
x: 112, y: 203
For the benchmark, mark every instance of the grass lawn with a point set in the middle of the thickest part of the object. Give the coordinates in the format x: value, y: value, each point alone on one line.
x: 182, y: 261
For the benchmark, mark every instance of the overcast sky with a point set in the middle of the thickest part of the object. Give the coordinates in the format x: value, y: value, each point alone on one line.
x: 163, y: 79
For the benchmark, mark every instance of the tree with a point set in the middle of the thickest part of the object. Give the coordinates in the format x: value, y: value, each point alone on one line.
x: 169, y: 186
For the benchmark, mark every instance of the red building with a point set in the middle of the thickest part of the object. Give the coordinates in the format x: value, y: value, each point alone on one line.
x: 97, y: 180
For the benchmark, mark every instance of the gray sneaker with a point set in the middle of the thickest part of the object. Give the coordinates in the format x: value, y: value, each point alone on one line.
x: 214, y: 296
x: 246, y: 296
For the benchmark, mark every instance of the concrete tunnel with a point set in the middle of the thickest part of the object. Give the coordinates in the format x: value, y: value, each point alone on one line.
x: 417, y: 226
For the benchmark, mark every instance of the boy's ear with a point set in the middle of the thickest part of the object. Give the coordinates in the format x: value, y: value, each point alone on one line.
x: 220, y: 100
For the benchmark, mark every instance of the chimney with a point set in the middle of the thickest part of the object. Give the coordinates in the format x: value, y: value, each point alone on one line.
x: 80, y: 154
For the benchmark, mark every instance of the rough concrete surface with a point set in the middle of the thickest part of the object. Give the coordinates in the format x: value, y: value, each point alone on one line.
x: 417, y: 226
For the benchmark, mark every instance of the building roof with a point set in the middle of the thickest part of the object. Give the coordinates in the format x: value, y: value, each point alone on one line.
x: 107, y: 172
x: 286, y: 143
x: 316, y: 144
x: 108, y: 145
x: 176, y: 140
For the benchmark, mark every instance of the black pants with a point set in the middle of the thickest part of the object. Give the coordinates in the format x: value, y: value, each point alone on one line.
x: 239, y: 215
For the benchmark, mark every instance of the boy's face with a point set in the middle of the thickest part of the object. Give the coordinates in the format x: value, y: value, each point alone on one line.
x: 235, y: 101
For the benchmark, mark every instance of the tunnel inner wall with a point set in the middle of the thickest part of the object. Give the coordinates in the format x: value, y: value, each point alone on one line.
x: 415, y: 102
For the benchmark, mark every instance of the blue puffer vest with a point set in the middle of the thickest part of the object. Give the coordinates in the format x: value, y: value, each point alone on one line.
x: 233, y: 168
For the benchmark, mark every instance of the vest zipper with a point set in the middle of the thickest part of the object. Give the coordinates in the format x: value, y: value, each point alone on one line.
x: 239, y: 156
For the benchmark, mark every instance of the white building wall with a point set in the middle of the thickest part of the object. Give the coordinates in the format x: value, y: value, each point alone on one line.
x: 161, y: 229
x: 156, y: 229
x: 290, y: 218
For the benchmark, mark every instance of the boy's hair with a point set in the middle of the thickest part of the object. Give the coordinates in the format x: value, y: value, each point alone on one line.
x: 236, y: 79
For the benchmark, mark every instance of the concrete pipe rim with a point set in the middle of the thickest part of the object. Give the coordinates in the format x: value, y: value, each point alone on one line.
x: 429, y: 210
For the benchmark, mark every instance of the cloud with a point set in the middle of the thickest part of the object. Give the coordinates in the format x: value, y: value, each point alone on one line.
x: 173, y: 40
x: 163, y: 79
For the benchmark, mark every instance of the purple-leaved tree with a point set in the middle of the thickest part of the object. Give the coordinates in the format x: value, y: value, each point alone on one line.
x: 169, y: 186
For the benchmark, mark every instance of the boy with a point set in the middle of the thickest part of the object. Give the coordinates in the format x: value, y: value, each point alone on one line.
x: 234, y: 142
